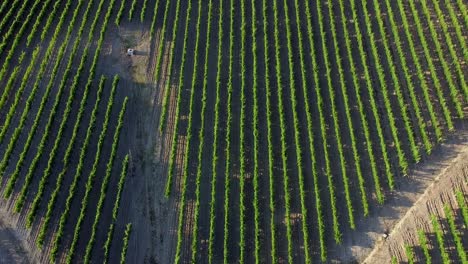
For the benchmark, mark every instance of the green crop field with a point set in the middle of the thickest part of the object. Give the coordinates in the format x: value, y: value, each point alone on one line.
x: 233, y: 131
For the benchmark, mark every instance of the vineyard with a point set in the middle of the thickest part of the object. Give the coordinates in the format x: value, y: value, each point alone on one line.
x: 234, y: 131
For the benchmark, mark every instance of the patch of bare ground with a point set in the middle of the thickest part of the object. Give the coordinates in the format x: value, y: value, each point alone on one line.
x: 415, y: 198
x: 12, y: 249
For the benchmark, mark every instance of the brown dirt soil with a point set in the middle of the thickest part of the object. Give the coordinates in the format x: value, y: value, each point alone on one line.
x: 452, y: 178
x: 429, y: 181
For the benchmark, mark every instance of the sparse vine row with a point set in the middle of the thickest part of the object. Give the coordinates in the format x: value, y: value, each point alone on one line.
x: 423, y: 243
x: 171, y: 69
x: 462, y: 205
x: 162, y: 44
x: 175, y: 136
x: 123, y: 254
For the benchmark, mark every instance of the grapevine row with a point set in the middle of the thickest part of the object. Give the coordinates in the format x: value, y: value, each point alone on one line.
x: 455, y: 234
x: 464, y: 11
x: 201, y: 138
x: 383, y: 86
x: 102, y: 196
x: 349, y: 122
x: 409, y: 254
x: 255, y: 135
x: 185, y: 172
x: 370, y: 92
x: 227, y: 139
x: 462, y: 205
x: 118, y: 17
x: 440, y: 239
x: 337, y: 133
x: 153, y: 21
x: 45, y: 97
x: 162, y: 39
x: 19, y: 94
x: 450, y: 45
x: 214, y: 157
x: 242, y: 135
x: 175, y: 137
x: 422, y: 79
x: 38, y: 197
x: 132, y: 10
x: 430, y: 62
x: 283, y: 131
x: 123, y: 254
x: 362, y: 113
x: 92, y: 174
x: 143, y: 11
x: 10, y: 82
x: 64, y: 216
x: 456, y: 25
x: 115, y: 209
x: 310, y: 134
x: 424, y: 246
x: 409, y: 82
x: 162, y: 120
x: 396, y: 84
x: 39, y: 20
x: 32, y: 167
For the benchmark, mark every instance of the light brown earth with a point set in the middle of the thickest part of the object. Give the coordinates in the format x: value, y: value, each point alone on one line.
x: 430, y: 185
